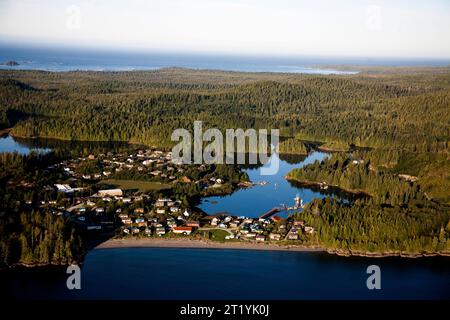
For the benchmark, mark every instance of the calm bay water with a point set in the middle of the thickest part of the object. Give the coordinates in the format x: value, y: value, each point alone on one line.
x: 255, y: 201
x: 27, y: 145
x: 9, y: 144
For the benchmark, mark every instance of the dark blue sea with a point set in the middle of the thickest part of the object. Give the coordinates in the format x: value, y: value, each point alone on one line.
x: 168, y: 273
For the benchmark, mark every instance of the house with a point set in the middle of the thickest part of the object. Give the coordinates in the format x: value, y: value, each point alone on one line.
x: 123, y: 215
x: 135, y: 230
x: 160, y: 231
x: 309, y: 230
x: 161, y: 211
x: 127, y: 221
x: 223, y: 225
x: 110, y: 192
x: 276, y: 218
x: 159, y: 203
x: 292, y: 236
x: 250, y: 235
x: 147, y: 162
x: 171, y: 223
x: 298, y: 223
x: 139, y: 210
x: 64, y: 188
x: 194, y: 224
x: 182, y: 230
x: 260, y: 238
x: 174, y: 209
x: 234, y: 224
x: 142, y: 224
x: 215, y: 221
x: 186, y: 213
x: 275, y: 236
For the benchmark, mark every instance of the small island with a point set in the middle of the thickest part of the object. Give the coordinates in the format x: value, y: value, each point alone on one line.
x: 11, y: 63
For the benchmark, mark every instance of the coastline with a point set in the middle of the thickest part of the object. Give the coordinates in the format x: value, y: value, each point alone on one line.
x: 199, y: 244
x: 189, y: 243
x: 317, y: 184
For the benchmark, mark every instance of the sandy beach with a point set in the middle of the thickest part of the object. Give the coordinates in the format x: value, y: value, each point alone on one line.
x: 201, y: 244
x: 240, y: 245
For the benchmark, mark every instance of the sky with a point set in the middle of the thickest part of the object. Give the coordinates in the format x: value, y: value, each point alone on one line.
x: 411, y: 29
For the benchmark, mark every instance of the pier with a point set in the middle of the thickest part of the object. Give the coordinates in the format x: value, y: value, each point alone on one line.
x: 298, y: 205
x: 271, y: 212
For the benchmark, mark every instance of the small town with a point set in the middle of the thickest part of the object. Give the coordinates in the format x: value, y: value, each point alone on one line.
x: 134, y: 195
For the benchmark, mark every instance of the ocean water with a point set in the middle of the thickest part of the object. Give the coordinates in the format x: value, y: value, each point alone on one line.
x: 169, y: 273
x: 70, y: 59
x: 56, y: 59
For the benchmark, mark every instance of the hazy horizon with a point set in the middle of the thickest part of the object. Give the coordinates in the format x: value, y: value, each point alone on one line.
x: 9, y: 49
x: 286, y: 28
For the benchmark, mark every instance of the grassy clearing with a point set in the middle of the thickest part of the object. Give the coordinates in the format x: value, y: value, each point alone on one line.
x: 218, y: 235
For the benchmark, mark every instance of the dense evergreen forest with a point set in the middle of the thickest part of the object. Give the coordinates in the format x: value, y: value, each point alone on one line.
x: 402, y: 110
x: 368, y: 227
x: 397, y: 120
x: 32, y: 236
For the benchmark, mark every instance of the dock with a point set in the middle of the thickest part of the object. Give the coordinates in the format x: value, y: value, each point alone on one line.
x: 270, y: 213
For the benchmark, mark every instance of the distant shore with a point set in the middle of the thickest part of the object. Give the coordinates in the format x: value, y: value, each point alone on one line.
x: 189, y: 243
x: 309, y: 183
